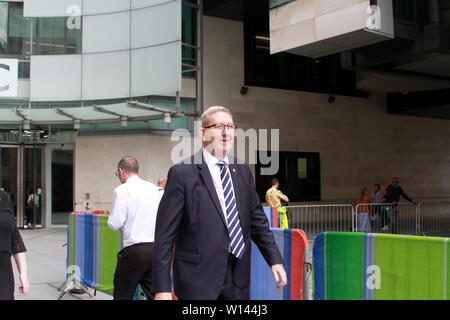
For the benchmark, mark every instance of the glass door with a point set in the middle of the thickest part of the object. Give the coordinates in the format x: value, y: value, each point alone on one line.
x: 33, y: 200
x: 61, y: 178
x: 9, y: 164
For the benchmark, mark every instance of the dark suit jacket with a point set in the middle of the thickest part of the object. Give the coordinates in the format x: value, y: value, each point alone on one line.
x: 190, y: 216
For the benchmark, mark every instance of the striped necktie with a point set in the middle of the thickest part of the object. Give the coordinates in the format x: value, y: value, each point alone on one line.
x: 232, y: 216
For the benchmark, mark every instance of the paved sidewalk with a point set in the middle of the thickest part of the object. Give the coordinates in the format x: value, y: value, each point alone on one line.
x: 46, y: 258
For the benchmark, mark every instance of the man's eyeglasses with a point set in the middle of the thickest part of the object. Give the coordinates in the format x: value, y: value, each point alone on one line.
x: 220, y: 126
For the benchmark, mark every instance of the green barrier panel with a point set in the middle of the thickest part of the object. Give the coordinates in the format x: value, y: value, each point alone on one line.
x: 92, y: 248
x: 358, y: 266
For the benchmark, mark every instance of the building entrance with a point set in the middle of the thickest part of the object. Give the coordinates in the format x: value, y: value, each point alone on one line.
x: 61, y: 183
x: 33, y: 190
x: 21, y: 168
x: 9, y: 158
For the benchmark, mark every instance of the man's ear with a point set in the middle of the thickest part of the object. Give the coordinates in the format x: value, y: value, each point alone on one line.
x: 202, y: 133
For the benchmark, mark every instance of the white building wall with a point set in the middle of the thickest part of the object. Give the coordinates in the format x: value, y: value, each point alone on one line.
x: 96, y: 160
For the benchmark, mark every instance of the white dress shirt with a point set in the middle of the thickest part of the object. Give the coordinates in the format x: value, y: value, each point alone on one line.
x: 214, y: 169
x: 135, y: 204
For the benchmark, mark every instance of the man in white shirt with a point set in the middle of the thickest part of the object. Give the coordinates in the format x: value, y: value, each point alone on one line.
x: 135, y: 205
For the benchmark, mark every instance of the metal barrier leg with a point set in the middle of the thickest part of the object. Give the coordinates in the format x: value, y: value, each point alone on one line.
x: 68, y: 285
x: 307, y: 271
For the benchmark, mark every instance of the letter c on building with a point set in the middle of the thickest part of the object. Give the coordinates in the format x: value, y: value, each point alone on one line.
x: 5, y: 67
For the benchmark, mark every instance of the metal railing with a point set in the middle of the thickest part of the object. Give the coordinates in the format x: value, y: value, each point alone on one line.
x: 423, y: 218
x: 434, y: 217
x: 401, y: 218
x: 314, y: 219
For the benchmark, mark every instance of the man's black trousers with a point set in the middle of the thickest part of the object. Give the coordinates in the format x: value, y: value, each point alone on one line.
x: 134, y: 266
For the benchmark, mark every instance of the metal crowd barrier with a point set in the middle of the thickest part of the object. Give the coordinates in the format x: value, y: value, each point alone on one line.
x: 314, y: 219
x: 434, y: 217
x: 401, y: 218
x: 423, y: 218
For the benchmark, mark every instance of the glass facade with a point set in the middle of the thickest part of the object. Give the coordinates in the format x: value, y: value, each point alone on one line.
x: 63, y: 36
x: 20, y: 36
x: 188, y: 33
x: 56, y: 36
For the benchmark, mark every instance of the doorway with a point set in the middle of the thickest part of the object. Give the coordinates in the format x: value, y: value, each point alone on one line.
x: 33, y: 191
x: 60, y: 195
x: 21, y: 176
x: 9, y: 164
x: 299, y: 176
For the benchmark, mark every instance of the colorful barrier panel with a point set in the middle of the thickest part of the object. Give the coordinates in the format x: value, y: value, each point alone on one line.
x: 292, y: 244
x: 272, y: 216
x: 93, y: 212
x: 92, y: 246
x: 369, y: 266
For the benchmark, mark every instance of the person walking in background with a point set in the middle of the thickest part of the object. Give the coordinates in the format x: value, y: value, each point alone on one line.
x: 377, y: 198
x: 208, y: 217
x: 363, y: 211
x: 32, y: 205
x: 393, y: 193
x: 135, y: 204
x: 273, y: 199
x: 162, y: 184
x: 384, y: 210
x: 11, y: 243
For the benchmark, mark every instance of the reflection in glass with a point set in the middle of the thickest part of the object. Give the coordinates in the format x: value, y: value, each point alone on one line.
x: 55, y: 35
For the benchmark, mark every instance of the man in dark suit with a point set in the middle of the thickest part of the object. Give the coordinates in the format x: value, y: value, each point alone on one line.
x: 207, y: 218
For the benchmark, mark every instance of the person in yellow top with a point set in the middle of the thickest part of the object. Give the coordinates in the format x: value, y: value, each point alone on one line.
x: 273, y: 199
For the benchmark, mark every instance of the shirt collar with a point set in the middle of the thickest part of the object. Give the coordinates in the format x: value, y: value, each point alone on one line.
x: 132, y: 178
x: 211, y: 160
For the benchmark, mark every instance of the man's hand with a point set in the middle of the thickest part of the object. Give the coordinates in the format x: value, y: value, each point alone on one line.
x: 279, y: 275
x: 163, y: 296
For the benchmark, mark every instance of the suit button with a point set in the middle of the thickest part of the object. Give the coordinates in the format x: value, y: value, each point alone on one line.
x: 225, y: 251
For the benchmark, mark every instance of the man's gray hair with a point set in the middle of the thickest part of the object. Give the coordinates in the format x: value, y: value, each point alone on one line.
x: 206, y: 115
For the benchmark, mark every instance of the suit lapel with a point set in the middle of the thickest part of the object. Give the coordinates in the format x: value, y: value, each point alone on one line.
x: 207, y: 180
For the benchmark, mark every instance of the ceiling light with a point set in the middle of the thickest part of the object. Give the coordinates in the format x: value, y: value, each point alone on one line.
x: 167, y: 118
x: 123, y: 122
